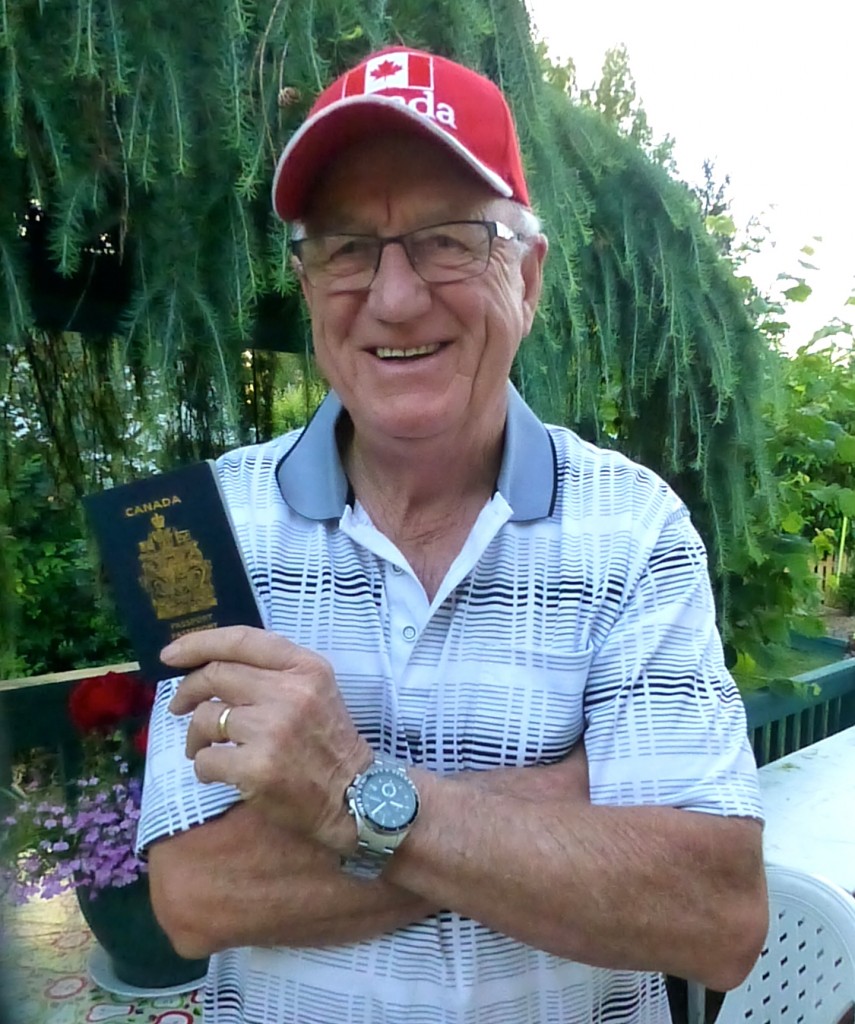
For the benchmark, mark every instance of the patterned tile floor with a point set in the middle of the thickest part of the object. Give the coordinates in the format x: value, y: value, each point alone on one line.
x: 45, y: 966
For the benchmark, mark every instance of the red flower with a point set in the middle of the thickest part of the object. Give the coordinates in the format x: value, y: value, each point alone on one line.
x: 101, y: 703
x: 144, y: 697
x: 140, y: 740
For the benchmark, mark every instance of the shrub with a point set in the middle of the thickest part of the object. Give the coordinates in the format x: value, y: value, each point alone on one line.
x: 845, y: 596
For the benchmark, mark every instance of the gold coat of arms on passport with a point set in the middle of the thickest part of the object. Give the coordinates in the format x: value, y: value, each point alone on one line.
x: 174, y: 573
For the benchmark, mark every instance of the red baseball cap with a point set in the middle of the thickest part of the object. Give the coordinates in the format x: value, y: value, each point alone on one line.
x: 405, y: 90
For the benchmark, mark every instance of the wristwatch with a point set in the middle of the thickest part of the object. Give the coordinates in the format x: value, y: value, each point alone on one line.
x: 384, y: 802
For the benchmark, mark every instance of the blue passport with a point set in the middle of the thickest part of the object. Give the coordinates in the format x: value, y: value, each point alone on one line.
x: 170, y: 553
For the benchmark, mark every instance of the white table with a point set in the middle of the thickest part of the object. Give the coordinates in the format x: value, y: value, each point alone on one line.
x: 809, y: 797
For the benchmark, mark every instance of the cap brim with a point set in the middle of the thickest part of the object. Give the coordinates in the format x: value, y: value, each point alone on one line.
x: 347, y: 121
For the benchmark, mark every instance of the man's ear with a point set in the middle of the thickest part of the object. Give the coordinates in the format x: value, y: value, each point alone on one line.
x: 531, y: 268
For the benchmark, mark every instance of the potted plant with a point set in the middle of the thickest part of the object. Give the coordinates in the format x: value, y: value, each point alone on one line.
x: 80, y: 834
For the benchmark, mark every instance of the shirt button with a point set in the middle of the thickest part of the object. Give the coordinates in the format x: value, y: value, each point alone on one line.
x: 409, y: 632
x: 397, y: 570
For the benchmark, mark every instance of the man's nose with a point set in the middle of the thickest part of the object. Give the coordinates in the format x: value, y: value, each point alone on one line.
x: 397, y: 293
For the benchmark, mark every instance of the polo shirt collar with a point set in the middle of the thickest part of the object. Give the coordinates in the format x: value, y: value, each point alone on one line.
x: 313, y: 482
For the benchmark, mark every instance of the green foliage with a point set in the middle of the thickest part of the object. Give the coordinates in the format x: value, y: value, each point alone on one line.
x: 809, y: 413
x: 779, y: 670
x: 297, y: 400
x: 8, y: 604
x: 807, y: 410
x: 643, y: 340
x: 615, y: 97
x: 812, y: 438
x: 61, y: 618
x: 65, y: 619
x: 846, y: 592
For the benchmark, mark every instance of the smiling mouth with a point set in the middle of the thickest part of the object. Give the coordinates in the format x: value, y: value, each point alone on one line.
x: 407, y: 353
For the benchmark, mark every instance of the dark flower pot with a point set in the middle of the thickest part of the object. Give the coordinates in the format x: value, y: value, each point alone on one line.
x: 123, y: 922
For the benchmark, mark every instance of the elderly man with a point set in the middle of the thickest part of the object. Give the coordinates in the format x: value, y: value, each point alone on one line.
x: 485, y: 764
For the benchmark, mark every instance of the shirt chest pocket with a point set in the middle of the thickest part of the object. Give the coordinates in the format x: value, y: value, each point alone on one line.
x: 510, y: 708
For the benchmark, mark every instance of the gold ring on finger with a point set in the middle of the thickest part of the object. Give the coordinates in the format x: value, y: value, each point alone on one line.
x: 223, y: 724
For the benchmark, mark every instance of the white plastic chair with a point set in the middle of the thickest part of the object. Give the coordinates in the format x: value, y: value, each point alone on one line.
x: 806, y: 972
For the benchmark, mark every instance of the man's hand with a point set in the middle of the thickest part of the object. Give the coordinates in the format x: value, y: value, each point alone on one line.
x: 294, y: 748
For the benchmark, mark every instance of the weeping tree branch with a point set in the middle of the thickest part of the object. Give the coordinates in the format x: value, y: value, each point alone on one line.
x: 150, y: 131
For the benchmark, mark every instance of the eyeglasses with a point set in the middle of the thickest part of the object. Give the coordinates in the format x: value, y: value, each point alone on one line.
x: 438, y: 254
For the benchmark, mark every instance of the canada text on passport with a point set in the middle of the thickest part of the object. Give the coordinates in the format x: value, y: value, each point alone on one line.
x: 151, y: 506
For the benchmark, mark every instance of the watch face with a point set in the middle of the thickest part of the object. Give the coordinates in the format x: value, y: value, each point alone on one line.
x: 388, y: 800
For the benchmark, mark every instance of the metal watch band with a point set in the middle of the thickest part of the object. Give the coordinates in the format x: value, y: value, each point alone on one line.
x: 365, y: 863
x: 373, y: 851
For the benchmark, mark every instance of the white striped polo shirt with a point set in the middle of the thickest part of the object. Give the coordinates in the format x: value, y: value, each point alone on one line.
x: 580, y: 603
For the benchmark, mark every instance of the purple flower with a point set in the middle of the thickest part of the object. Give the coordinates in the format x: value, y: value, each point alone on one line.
x: 96, y: 850
x: 49, y: 844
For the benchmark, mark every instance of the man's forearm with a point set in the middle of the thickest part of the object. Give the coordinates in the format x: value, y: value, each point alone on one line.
x: 636, y: 888
x: 240, y: 881
x: 520, y: 850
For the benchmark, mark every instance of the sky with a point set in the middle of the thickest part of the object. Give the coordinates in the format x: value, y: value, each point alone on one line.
x: 767, y: 91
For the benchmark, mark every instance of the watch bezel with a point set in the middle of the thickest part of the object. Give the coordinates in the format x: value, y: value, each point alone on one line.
x: 355, y: 791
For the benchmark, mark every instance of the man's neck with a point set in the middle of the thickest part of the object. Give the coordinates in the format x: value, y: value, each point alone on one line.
x: 415, y: 476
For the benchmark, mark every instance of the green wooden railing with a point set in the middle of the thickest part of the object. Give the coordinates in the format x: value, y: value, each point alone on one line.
x: 35, y: 714
x: 781, y: 723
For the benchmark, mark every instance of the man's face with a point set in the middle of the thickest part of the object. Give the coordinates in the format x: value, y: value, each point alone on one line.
x: 468, y: 331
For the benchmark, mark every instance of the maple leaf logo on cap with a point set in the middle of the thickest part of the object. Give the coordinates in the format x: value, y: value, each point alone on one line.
x: 386, y: 69
x: 402, y: 72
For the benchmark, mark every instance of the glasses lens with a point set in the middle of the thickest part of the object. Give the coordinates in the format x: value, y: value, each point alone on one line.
x: 450, y: 252
x: 344, y: 258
